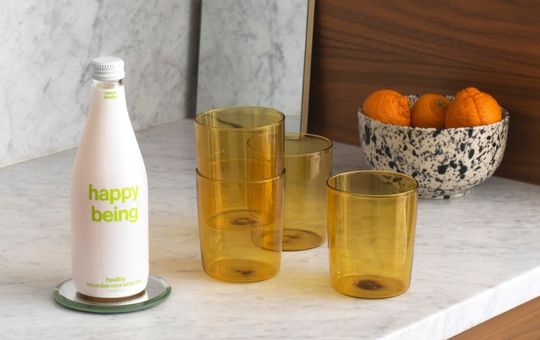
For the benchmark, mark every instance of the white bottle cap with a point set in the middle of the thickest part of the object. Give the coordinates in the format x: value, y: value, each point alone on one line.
x: 107, y: 68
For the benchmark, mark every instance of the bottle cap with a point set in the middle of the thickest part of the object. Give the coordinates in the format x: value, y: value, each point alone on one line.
x: 107, y: 68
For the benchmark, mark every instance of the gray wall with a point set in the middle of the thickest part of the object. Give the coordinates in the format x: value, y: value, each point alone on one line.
x: 44, y: 55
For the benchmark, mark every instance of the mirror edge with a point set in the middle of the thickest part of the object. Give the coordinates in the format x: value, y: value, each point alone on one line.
x: 307, y: 66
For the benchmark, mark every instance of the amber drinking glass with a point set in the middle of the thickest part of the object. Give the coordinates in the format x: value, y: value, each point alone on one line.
x: 240, y: 226
x: 222, y: 137
x: 371, y: 230
x: 308, y: 162
x: 240, y: 192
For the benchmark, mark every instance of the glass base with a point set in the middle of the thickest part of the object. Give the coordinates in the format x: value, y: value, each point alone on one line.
x: 232, y: 270
x: 369, y: 287
x: 157, y: 291
x: 297, y: 239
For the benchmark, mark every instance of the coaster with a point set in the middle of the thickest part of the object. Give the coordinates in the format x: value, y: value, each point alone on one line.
x: 157, y: 291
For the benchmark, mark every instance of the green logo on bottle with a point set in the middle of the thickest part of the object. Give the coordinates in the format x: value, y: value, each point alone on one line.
x: 110, y: 95
x: 112, y: 196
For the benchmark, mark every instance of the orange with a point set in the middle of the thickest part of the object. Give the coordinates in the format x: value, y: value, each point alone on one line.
x: 472, y: 107
x: 429, y: 110
x: 388, y: 106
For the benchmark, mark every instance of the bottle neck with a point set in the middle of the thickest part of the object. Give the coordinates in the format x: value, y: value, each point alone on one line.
x: 107, y: 96
x: 107, y: 84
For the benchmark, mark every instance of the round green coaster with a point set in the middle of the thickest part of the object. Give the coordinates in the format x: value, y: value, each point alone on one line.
x: 157, y: 291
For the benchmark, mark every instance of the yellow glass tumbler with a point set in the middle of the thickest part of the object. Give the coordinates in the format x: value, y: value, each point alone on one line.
x: 308, y: 162
x: 222, y: 137
x: 240, y: 227
x: 371, y: 230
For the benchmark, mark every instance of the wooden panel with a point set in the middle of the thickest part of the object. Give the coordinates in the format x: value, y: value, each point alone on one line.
x: 418, y: 46
x: 522, y: 322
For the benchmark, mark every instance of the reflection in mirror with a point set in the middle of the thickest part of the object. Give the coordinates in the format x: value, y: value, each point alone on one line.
x: 256, y: 53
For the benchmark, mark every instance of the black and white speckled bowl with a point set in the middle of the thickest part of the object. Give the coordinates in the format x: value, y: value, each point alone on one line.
x: 446, y: 163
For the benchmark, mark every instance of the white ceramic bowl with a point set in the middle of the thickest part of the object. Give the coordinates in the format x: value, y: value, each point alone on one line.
x: 446, y: 162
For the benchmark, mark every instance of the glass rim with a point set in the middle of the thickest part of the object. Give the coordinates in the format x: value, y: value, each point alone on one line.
x: 237, y: 181
x: 328, y: 147
x: 255, y: 128
x: 393, y: 173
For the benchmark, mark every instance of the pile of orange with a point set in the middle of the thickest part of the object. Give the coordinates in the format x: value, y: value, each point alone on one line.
x: 471, y: 107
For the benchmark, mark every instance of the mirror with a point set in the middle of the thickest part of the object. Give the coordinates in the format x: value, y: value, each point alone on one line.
x: 256, y: 53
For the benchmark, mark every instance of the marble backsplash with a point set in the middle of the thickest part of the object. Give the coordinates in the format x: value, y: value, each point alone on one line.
x: 45, y: 81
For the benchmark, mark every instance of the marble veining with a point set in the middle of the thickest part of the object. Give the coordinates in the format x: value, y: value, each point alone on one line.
x: 475, y: 257
x: 252, y: 53
x: 45, y: 81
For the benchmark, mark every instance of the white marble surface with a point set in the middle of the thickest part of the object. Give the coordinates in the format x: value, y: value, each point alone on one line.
x: 475, y: 257
x: 45, y: 82
x: 252, y: 53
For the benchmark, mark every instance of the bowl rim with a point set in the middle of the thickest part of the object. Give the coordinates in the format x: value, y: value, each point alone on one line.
x: 505, y: 119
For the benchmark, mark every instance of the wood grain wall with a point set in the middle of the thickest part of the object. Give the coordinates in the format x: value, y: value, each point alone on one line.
x: 418, y: 46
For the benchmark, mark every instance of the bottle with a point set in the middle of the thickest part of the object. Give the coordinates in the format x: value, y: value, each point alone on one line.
x: 109, y: 195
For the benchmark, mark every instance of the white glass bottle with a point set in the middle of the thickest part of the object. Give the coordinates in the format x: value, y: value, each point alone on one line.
x: 109, y: 196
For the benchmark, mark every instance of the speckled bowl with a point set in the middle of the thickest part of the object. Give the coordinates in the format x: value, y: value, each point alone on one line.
x: 446, y: 163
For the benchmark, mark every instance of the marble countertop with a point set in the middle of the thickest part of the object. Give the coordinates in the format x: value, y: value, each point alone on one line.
x: 475, y: 257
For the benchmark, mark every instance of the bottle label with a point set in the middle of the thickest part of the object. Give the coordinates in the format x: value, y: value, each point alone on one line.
x: 114, y: 196
x: 114, y: 283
